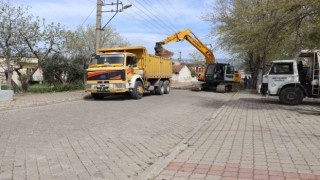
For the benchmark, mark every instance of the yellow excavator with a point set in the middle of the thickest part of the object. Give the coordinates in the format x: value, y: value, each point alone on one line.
x: 217, y: 76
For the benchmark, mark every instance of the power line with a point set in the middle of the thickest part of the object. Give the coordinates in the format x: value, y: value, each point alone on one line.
x: 182, y: 20
x: 156, y: 17
x: 89, y: 15
x: 150, y: 27
x: 168, y: 19
x: 146, y: 26
x: 152, y: 22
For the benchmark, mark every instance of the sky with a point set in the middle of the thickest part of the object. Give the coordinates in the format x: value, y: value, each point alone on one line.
x: 143, y: 24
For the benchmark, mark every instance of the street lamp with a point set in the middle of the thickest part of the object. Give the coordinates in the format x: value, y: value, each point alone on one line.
x: 127, y: 6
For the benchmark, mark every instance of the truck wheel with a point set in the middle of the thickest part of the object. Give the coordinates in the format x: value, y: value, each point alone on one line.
x: 137, y: 91
x: 291, y: 96
x: 166, y: 86
x: 160, y: 88
x: 97, y: 96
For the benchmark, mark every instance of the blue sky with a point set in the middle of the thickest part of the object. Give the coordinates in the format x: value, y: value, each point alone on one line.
x: 146, y: 22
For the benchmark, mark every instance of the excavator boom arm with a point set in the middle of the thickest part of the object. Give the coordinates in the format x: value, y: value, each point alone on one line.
x: 210, y: 59
x: 193, y: 40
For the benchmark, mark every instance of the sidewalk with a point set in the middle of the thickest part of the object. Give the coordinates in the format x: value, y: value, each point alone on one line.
x: 251, y: 137
x: 31, y: 100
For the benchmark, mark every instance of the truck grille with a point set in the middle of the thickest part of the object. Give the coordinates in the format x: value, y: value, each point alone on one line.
x: 106, y: 75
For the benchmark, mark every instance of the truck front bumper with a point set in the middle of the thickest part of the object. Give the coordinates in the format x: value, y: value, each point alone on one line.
x: 107, y: 88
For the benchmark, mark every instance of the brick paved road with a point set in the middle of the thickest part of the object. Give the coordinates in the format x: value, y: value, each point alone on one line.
x: 252, y: 137
x: 85, y: 139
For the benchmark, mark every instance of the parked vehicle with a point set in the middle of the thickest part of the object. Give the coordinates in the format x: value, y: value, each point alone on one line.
x: 293, y: 80
x: 218, y: 76
x: 128, y: 70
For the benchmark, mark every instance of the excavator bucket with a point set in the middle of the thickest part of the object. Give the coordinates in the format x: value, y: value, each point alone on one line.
x: 160, y: 51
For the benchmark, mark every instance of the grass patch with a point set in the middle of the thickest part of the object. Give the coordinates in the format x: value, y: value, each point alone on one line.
x: 4, y: 87
x: 40, y: 88
x: 46, y: 88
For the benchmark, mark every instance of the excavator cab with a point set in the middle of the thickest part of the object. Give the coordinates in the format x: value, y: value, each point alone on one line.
x: 219, y: 72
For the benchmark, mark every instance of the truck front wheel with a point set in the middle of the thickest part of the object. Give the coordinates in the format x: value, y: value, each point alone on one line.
x: 291, y: 96
x: 137, y: 91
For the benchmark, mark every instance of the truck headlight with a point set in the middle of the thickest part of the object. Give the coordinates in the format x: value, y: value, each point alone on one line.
x: 91, y: 86
x: 118, y: 86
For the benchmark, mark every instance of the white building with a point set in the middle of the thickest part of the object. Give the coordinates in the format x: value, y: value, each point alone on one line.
x: 28, y: 65
x: 181, y: 73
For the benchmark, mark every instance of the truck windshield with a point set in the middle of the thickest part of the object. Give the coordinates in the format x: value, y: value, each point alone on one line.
x: 108, y: 59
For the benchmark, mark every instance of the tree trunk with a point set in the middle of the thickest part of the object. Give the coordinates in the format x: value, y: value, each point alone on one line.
x: 9, y: 74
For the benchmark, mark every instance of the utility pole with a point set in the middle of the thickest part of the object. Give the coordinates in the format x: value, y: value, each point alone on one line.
x: 119, y: 8
x: 98, y: 24
x: 179, y: 56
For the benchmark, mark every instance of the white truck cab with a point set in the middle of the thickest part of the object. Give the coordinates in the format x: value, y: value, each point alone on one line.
x: 292, y: 80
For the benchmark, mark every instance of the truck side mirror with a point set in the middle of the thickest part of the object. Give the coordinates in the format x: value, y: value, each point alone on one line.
x: 85, y: 64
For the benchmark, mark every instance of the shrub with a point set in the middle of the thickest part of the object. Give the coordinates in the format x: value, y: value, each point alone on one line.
x: 4, y: 87
x: 68, y: 87
x: 40, y: 88
x: 46, y: 88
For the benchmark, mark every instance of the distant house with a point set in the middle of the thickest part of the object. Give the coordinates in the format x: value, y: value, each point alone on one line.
x: 28, y: 66
x: 181, y: 73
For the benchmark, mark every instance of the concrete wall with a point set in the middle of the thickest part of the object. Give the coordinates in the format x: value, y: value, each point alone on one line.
x: 6, y: 95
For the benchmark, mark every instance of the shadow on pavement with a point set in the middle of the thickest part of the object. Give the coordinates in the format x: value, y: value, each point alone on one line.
x: 114, y: 97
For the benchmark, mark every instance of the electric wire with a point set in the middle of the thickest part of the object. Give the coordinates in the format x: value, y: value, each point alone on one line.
x: 168, y: 18
x: 183, y: 21
x: 146, y: 26
x: 137, y: 16
x: 88, y: 15
x: 152, y: 22
x: 156, y: 17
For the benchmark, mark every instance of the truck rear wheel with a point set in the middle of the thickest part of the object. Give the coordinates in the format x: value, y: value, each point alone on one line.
x: 160, y: 88
x: 291, y: 96
x: 97, y: 96
x: 137, y: 91
x: 166, y: 86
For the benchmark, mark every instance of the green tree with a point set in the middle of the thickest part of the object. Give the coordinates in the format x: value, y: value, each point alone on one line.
x: 24, y: 36
x: 262, y: 30
x: 197, y: 58
x: 11, y: 44
x: 81, y: 42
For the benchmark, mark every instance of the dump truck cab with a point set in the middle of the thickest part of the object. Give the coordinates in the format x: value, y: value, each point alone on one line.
x: 109, y: 73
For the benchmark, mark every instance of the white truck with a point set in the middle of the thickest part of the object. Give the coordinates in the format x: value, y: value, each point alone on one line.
x: 293, y: 80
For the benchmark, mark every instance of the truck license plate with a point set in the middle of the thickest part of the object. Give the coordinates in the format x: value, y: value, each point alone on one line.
x: 102, y: 88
